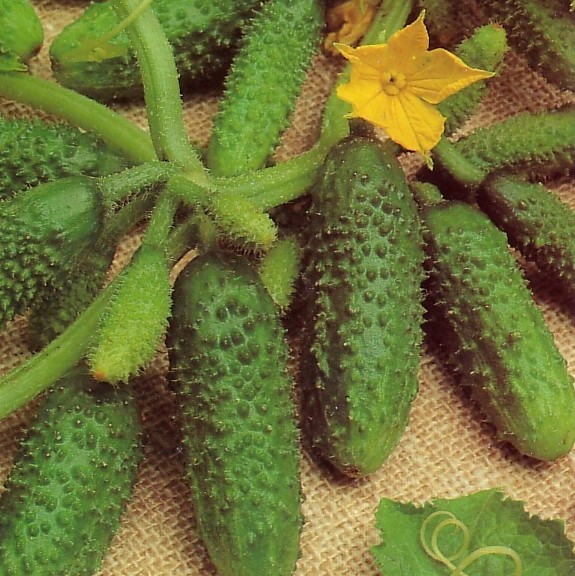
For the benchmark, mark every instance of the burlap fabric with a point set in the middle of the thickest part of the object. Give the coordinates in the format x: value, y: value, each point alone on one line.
x: 447, y: 450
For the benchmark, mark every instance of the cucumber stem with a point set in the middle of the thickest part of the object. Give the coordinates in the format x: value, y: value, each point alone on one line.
x: 40, y: 371
x: 119, y: 133
x: 161, y: 86
x: 120, y: 186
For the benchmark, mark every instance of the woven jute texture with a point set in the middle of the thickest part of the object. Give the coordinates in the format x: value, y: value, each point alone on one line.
x: 448, y: 449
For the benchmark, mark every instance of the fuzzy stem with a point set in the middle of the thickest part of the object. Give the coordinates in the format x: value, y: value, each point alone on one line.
x: 40, y: 371
x: 161, y: 87
x: 119, y: 133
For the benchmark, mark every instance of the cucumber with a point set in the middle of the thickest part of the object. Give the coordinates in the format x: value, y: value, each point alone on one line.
x: 134, y: 323
x: 543, y: 32
x: 22, y: 33
x: 70, y: 481
x: 203, y: 35
x: 44, y: 230
x: 263, y: 83
x: 363, y: 270
x: 33, y: 151
x: 228, y: 362
x: 484, y: 317
x: 536, y: 222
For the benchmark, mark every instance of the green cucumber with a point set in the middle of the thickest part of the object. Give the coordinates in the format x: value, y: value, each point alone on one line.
x: 132, y: 326
x: 363, y: 271
x: 536, y: 222
x: 493, y: 334
x: 203, y: 35
x: 263, y: 83
x: 71, y: 479
x: 536, y: 145
x: 543, y: 32
x: 22, y: 33
x: 44, y: 230
x: 33, y: 151
x: 228, y: 361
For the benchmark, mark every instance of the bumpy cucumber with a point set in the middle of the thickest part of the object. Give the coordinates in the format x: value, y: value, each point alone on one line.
x: 363, y: 270
x: 43, y: 232
x: 71, y: 479
x: 35, y: 151
x: 543, y: 31
x: 22, y: 33
x: 484, y: 49
x: 263, y: 83
x: 202, y: 34
x: 133, y: 324
x: 534, y: 145
x: 536, y: 222
x: 493, y: 333
x: 228, y: 359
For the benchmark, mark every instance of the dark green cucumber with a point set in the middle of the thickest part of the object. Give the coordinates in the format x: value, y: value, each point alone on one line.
x: 22, y: 34
x: 363, y: 271
x: 34, y: 151
x: 203, y: 35
x: 228, y: 360
x: 536, y: 145
x: 71, y: 479
x: 263, y: 83
x: 536, y: 222
x: 484, y: 49
x: 543, y: 32
x: 485, y: 319
x: 42, y: 233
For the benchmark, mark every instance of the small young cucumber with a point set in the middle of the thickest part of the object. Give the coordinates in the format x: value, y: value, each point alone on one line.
x: 133, y: 324
x: 70, y: 481
x: 43, y: 231
x: 536, y: 222
x: 363, y: 271
x: 33, y: 151
x: 493, y: 333
x: 203, y: 35
x: 22, y: 34
x: 543, y: 32
x: 263, y: 83
x: 228, y: 361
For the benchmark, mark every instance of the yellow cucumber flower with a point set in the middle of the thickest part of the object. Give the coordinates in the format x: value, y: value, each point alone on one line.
x: 395, y: 86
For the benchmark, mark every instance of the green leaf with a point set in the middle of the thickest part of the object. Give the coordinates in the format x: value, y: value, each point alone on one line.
x: 10, y: 62
x: 481, y: 533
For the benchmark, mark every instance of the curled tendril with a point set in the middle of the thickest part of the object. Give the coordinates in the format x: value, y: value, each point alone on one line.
x: 98, y: 49
x: 461, y: 555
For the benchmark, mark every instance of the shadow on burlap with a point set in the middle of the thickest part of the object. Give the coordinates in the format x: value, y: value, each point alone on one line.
x: 447, y: 449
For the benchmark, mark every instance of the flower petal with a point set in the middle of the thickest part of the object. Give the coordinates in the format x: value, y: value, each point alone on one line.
x: 412, y: 123
x: 438, y: 74
x: 374, y: 57
x: 409, y: 42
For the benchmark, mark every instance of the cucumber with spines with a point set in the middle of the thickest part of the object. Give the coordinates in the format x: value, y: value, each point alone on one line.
x: 537, y: 223
x: 543, y: 32
x: 71, y: 479
x: 33, y: 151
x: 228, y: 362
x: 493, y: 334
x: 363, y: 270
x: 263, y: 83
x: 203, y: 35
x: 43, y: 231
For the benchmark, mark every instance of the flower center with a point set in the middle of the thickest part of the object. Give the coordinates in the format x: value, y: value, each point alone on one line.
x: 392, y: 82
